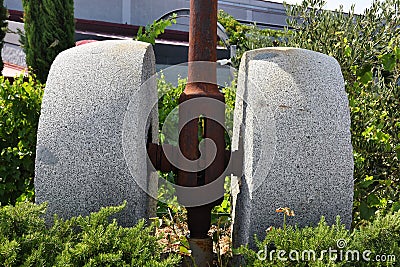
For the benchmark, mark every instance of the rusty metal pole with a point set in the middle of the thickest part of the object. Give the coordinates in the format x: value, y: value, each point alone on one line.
x: 202, y: 47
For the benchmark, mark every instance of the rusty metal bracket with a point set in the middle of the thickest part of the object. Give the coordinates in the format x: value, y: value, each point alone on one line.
x: 157, y: 157
x: 233, y: 160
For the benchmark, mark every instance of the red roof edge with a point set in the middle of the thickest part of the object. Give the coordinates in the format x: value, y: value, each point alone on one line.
x: 14, y: 66
x: 110, y: 28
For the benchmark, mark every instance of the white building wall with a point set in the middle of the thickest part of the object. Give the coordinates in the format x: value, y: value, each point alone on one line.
x: 143, y: 12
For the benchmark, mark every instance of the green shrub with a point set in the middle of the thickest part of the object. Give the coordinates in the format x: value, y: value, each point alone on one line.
x: 367, y: 48
x: 49, y: 29
x: 248, y: 37
x: 380, y: 237
x: 94, y: 240
x: 168, y: 101
x: 19, y: 115
x: 3, y: 29
x: 152, y: 31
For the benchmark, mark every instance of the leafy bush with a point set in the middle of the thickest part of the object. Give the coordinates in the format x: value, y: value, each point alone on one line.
x: 19, y: 115
x: 49, y: 29
x: 80, y: 241
x: 152, y: 31
x: 3, y: 29
x: 380, y: 237
x: 367, y: 48
x: 248, y: 37
x: 168, y: 100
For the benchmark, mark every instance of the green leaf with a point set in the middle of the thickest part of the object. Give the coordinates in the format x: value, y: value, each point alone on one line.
x: 184, y: 250
x: 397, y: 149
x: 224, y: 204
x: 347, y: 51
x: 369, y: 178
x: 152, y: 31
x: 382, y: 137
x: 365, y: 211
x: 366, y: 77
x: 365, y: 184
x: 184, y: 241
x: 388, y: 62
x: 396, y: 51
x: 386, y: 182
x: 396, y: 206
x: 373, y: 200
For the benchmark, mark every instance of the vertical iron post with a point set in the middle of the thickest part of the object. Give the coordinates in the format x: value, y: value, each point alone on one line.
x: 202, y: 82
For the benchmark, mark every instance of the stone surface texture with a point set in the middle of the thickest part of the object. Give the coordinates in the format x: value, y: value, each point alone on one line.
x: 292, y: 113
x: 80, y: 163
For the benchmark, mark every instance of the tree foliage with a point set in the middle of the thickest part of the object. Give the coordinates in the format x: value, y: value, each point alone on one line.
x: 247, y: 37
x: 367, y: 48
x: 49, y: 29
x: 20, y: 103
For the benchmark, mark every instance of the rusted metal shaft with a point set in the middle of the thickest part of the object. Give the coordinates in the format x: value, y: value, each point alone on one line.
x: 203, y: 30
x: 202, y: 82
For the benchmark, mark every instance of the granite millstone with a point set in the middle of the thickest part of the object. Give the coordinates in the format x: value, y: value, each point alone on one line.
x: 293, y: 115
x: 80, y: 164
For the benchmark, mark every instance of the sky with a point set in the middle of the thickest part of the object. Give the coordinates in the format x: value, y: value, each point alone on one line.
x: 360, y: 5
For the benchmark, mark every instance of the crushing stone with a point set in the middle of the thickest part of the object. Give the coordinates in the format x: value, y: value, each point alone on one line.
x: 80, y: 164
x: 293, y: 117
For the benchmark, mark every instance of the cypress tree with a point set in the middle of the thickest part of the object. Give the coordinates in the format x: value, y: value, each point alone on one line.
x: 49, y: 29
x: 3, y: 29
